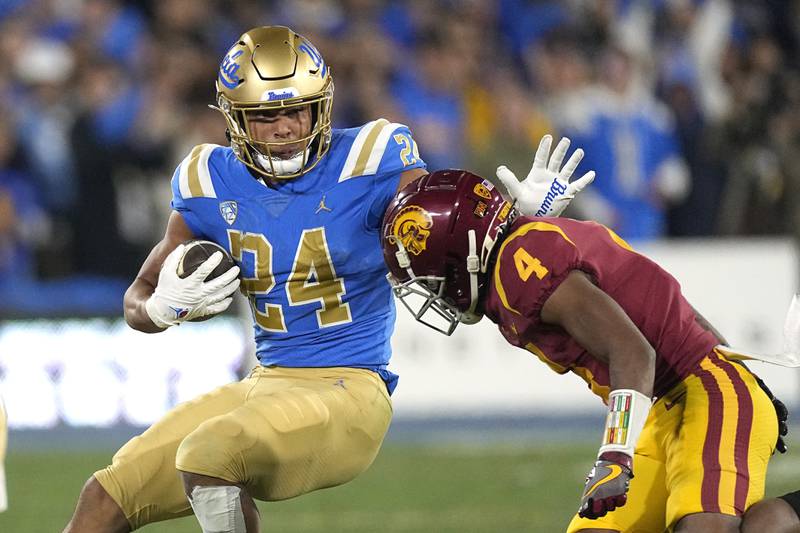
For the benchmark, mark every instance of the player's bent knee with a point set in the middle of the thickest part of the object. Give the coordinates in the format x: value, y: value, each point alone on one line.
x: 212, y: 450
x: 218, y: 508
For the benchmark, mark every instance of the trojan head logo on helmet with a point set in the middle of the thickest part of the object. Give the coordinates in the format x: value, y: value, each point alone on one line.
x: 268, y: 69
x: 438, y: 236
x: 411, y: 227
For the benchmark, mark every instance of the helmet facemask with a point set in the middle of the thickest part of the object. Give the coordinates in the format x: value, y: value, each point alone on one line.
x: 426, y: 297
x: 261, y: 155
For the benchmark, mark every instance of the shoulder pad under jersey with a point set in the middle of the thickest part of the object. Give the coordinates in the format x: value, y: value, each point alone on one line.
x: 192, y: 178
x: 381, y: 147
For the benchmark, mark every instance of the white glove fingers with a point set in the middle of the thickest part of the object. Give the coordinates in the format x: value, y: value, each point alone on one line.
x: 543, y: 152
x: 509, y: 179
x: 579, y: 184
x: 572, y: 164
x: 223, y: 279
x: 207, y: 266
x: 218, y: 307
x: 558, y: 155
x: 225, y: 289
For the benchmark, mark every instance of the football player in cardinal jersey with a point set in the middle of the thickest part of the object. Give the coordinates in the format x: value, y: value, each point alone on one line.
x: 299, y: 206
x: 579, y: 298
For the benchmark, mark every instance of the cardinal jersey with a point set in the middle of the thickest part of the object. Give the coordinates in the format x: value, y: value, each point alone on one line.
x: 309, y: 249
x: 539, y: 254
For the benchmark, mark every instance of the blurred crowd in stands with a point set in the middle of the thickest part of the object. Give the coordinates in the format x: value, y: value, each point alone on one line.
x: 689, y: 111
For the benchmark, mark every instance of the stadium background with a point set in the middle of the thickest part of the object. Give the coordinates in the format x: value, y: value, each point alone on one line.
x: 687, y: 109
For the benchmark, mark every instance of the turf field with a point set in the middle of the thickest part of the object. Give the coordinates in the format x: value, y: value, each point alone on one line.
x: 411, y: 487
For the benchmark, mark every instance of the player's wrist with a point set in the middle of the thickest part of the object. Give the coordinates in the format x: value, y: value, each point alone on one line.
x: 161, y: 314
x: 627, y: 414
x: 620, y: 458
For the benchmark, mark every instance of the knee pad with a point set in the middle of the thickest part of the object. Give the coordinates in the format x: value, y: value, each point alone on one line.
x: 793, y: 499
x: 218, y: 508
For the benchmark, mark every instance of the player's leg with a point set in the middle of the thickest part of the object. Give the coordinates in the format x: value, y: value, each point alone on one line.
x: 708, y: 523
x: 717, y: 464
x: 97, y: 511
x: 220, y: 505
x: 142, y: 485
x: 300, y: 430
x: 776, y: 515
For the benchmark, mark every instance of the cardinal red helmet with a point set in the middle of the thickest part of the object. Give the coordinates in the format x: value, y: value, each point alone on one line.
x: 438, y: 235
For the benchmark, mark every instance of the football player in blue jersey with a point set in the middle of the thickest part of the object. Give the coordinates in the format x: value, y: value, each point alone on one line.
x: 299, y: 206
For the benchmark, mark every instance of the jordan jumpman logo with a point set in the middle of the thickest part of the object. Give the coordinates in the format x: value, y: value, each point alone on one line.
x: 322, y: 206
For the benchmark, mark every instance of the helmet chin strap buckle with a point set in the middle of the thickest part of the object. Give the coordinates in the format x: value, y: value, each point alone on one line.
x: 473, y: 267
x: 402, y: 258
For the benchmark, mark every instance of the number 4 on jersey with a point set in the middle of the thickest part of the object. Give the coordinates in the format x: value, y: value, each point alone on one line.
x: 527, y: 264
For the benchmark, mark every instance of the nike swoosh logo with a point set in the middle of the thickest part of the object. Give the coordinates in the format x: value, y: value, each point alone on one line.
x: 616, y: 470
x: 669, y: 405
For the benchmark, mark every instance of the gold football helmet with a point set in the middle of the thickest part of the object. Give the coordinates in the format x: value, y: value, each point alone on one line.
x: 271, y: 68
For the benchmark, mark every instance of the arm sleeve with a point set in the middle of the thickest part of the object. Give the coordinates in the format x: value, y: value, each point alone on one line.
x: 401, y: 154
x: 532, y: 263
x: 181, y: 205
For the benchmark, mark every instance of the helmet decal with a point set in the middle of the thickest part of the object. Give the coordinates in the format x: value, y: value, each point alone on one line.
x: 411, y: 227
x: 227, y: 70
x: 503, y: 214
x: 280, y: 94
x: 481, y: 190
x: 316, y: 57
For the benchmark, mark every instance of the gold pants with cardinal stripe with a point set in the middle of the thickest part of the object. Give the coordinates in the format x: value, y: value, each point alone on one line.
x: 280, y: 432
x: 704, y: 449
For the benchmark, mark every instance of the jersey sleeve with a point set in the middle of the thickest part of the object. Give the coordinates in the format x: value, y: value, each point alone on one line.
x: 531, y: 264
x: 381, y: 152
x: 192, y: 180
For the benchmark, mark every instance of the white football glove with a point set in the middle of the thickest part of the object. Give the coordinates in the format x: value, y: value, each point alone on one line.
x: 176, y: 299
x: 547, y: 190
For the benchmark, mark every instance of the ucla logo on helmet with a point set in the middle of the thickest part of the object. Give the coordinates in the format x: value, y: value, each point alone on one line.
x: 229, y: 210
x: 411, y: 227
x: 316, y: 57
x: 228, y: 70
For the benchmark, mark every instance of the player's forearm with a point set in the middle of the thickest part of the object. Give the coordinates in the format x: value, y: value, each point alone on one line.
x: 134, y: 306
x: 633, y: 366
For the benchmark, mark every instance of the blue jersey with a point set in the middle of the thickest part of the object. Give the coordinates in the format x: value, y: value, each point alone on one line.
x: 309, y: 249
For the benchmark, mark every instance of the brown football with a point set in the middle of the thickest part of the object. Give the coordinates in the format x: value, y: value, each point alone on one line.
x: 197, y: 252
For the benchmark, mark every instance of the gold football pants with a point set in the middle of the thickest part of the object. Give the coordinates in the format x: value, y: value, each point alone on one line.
x: 280, y: 432
x: 704, y: 449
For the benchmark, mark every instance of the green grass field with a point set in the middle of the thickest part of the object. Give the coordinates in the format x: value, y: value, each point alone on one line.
x: 410, y: 488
